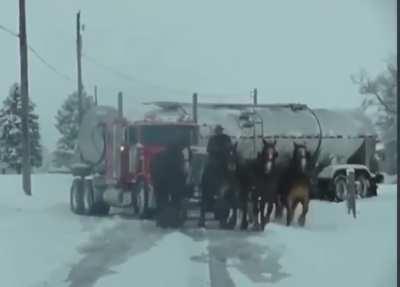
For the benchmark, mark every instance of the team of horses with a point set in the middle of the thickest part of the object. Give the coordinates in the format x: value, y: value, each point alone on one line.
x: 237, y: 184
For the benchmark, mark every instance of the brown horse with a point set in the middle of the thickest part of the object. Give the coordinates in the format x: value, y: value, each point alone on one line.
x: 295, y: 185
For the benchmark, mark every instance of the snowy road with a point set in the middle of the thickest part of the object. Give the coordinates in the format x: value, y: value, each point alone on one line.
x: 52, y: 247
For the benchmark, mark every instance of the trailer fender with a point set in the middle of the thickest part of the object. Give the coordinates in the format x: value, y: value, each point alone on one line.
x: 330, y: 171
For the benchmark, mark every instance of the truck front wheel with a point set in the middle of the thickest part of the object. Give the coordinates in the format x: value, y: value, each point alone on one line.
x: 141, y: 200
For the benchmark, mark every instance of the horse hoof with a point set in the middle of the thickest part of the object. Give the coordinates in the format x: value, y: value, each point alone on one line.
x: 302, y: 222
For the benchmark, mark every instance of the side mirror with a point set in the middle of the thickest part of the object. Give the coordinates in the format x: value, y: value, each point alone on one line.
x: 379, y: 178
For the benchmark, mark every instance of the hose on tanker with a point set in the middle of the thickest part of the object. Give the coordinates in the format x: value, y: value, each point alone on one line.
x: 316, y: 153
x: 315, y: 156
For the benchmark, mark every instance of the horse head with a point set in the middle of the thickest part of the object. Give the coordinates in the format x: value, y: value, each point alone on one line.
x: 268, y: 156
x: 301, y: 156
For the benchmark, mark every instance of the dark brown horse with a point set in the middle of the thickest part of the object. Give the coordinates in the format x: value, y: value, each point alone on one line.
x: 295, y: 185
x: 266, y: 189
x: 220, y: 182
x: 169, y: 171
x: 258, y: 185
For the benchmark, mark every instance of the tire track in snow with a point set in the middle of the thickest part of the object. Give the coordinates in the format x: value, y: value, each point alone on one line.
x: 112, y: 247
x: 227, y: 250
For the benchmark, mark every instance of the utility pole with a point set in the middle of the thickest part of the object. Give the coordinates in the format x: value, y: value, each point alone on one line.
x: 194, y: 107
x: 195, y: 116
x: 26, y: 163
x: 120, y: 105
x: 95, y: 96
x: 79, y: 59
x: 255, y: 100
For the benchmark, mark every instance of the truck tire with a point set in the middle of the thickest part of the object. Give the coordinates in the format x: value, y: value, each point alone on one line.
x: 88, y: 200
x: 339, y: 187
x: 76, y: 196
x: 365, y: 185
x: 141, y: 200
x: 91, y: 205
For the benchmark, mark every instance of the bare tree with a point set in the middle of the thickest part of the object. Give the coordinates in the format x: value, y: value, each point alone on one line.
x: 381, y: 92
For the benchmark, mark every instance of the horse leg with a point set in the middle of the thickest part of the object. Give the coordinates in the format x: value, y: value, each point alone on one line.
x: 244, y: 200
x: 305, y: 203
x: 202, y: 220
x: 267, y: 218
x: 263, y: 218
x: 232, y: 220
x: 278, y: 206
x: 290, y: 210
x: 162, y: 204
x: 255, y: 203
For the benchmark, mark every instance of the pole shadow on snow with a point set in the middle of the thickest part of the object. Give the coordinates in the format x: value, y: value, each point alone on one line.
x: 233, y: 249
x: 113, y: 247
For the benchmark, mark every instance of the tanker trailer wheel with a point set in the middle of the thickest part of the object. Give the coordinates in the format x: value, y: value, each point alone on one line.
x: 339, y: 187
x: 142, y: 200
x: 76, y: 196
x: 88, y: 201
x: 91, y: 206
x: 364, y: 185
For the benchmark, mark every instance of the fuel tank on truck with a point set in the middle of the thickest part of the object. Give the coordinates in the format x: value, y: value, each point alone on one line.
x: 343, y: 131
x: 91, y: 143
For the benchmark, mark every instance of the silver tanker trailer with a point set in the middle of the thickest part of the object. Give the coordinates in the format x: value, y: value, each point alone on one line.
x: 340, y: 139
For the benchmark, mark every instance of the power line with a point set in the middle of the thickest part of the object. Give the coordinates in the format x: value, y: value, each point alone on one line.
x: 125, y: 76
x: 37, y: 55
x: 48, y: 65
x: 133, y: 79
x: 9, y: 31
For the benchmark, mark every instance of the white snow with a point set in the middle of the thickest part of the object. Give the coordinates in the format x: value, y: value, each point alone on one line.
x: 39, y: 235
x: 44, y: 244
x: 168, y: 263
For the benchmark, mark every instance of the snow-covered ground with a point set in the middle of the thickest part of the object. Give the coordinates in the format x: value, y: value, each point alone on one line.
x: 44, y: 244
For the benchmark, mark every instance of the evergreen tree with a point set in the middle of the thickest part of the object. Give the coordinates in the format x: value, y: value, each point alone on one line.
x: 67, y: 123
x: 11, y: 131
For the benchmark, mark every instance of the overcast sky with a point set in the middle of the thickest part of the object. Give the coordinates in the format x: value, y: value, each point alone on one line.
x: 292, y: 51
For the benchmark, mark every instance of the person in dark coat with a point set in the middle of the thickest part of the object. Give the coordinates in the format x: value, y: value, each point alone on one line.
x: 218, y: 148
x: 219, y: 145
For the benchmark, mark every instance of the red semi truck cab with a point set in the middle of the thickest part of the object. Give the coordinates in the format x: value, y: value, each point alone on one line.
x: 144, y: 139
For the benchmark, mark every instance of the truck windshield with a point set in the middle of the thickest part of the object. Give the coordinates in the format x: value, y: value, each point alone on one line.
x: 163, y: 135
